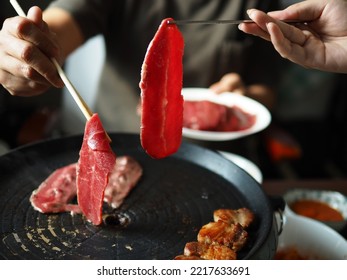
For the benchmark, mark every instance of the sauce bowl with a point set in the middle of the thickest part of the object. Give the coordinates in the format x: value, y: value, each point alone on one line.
x: 312, y: 198
x: 310, y: 239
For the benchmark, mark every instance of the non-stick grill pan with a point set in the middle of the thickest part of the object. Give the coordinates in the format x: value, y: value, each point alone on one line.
x: 175, y: 197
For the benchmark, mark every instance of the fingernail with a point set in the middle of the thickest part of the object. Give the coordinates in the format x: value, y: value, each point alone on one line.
x: 249, y: 12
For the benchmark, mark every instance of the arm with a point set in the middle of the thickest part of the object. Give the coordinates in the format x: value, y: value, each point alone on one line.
x: 321, y: 43
x: 26, y: 46
x: 68, y: 34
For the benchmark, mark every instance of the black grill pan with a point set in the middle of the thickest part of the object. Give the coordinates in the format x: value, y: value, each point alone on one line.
x: 175, y: 197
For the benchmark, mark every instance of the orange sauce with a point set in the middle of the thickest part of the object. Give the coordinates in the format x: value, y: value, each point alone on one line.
x: 317, y: 210
x: 289, y: 253
x: 292, y: 253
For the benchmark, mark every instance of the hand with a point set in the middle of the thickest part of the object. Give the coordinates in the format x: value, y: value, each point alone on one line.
x: 321, y: 43
x: 231, y: 82
x: 26, y: 46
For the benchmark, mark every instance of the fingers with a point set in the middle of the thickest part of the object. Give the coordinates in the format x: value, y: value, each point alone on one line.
x: 20, y: 79
x: 18, y: 68
x: 258, y: 28
x: 254, y: 29
x: 229, y: 82
x: 280, y: 43
x: 19, y: 87
x: 26, y: 30
x: 303, y: 11
x: 35, y: 15
x: 263, y: 21
x: 293, y: 34
x: 285, y: 47
x: 26, y: 53
x: 27, y: 42
x: 260, y: 18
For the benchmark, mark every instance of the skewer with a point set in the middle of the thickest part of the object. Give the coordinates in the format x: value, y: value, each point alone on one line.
x: 227, y: 21
x: 87, y: 112
x: 222, y: 21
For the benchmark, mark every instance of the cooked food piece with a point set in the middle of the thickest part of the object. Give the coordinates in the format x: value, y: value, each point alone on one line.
x: 209, y: 251
x: 210, y: 116
x: 161, y: 98
x: 94, y: 167
x: 125, y: 176
x: 221, y: 239
x: 230, y: 235
x: 242, y: 216
x: 56, y: 192
x: 183, y: 257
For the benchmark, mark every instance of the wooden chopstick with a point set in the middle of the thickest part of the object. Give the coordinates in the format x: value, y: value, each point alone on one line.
x: 87, y: 112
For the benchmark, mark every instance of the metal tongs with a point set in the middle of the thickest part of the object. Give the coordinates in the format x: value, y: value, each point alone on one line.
x: 222, y: 21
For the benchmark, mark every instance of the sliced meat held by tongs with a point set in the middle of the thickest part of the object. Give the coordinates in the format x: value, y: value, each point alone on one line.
x: 161, y: 92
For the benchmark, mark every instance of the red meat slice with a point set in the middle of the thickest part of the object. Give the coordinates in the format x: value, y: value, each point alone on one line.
x: 56, y: 192
x: 124, y: 177
x: 161, y: 86
x: 209, y: 116
x: 95, y: 165
x: 203, y: 115
x: 236, y: 120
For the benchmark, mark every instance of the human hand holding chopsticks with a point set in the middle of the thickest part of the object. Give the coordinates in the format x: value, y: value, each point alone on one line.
x: 26, y: 45
x: 35, y: 15
x: 39, y: 45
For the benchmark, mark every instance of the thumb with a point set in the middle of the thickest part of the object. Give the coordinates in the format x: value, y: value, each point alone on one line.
x: 35, y: 15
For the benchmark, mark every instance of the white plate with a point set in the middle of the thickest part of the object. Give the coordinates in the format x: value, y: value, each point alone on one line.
x: 263, y: 116
x: 245, y: 164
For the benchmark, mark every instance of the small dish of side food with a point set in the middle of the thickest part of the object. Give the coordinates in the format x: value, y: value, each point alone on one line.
x: 328, y: 207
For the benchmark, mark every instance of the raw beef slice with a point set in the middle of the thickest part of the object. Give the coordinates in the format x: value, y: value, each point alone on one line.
x: 161, y: 86
x: 95, y: 165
